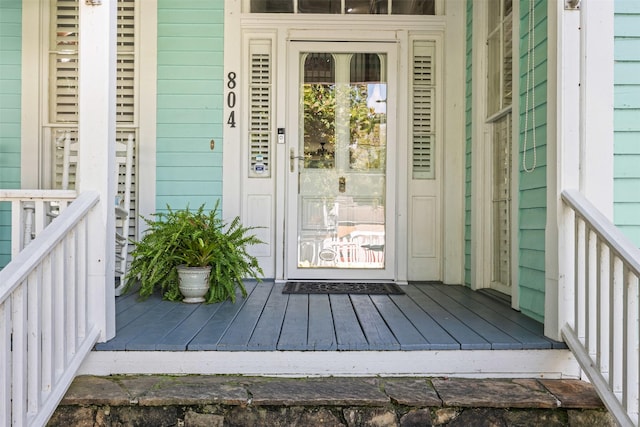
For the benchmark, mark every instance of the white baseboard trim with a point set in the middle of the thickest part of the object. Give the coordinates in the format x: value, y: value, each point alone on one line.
x: 451, y: 363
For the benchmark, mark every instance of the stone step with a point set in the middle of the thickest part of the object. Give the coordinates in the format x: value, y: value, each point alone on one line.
x: 196, y: 400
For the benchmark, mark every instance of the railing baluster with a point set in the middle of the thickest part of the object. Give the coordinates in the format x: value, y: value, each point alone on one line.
x: 19, y: 350
x: 591, y: 309
x: 81, y: 278
x: 17, y: 232
x: 34, y: 344
x: 631, y: 352
x: 29, y: 227
x: 40, y: 216
x: 58, y: 310
x: 603, y: 310
x: 616, y: 326
x: 609, y: 350
x: 581, y: 242
x: 47, y: 326
x: 6, y: 362
x: 70, y: 294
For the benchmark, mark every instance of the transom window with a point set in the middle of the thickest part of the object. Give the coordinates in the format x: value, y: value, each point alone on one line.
x: 352, y: 7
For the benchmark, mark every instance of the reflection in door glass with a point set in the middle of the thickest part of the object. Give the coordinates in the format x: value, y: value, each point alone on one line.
x: 319, y: 111
x: 372, y: 7
x: 367, y: 127
x: 342, y: 181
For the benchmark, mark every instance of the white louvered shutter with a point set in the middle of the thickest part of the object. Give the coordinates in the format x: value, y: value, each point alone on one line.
x: 499, y: 98
x: 126, y: 121
x: 502, y: 200
x: 125, y: 77
x: 64, y: 62
x: 260, y: 108
x: 63, y: 108
x: 424, y: 93
x: 63, y: 89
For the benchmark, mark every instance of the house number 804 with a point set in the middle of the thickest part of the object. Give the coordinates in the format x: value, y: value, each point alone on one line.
x: 231, y: 98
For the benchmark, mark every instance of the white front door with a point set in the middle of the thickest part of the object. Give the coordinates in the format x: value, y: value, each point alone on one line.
x: 341, y: 203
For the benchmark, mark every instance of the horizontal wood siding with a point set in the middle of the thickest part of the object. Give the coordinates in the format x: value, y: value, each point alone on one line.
x: 10, y: 72
x: 627, y: 118
x: 533, y: 185
x: 468, y: 138
x: 190, y: 102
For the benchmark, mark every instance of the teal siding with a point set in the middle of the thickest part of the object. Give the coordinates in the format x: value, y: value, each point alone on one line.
x: 10, y: 72
x: 626, y: 124
x: 468, y: 137
x: 190, y: 103
x: 532, y: 204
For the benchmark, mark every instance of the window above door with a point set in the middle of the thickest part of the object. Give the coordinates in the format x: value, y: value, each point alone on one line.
x: 351, y: 7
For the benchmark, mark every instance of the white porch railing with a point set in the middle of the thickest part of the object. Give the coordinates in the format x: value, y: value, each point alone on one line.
x: 46, y: 324
x: 604, y: 332
x: 32, y: 211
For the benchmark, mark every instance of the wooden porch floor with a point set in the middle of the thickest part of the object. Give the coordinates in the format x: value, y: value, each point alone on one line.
x: 428, y: 317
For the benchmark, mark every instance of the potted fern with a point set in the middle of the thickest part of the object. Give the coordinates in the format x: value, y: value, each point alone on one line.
x: 199, y: 243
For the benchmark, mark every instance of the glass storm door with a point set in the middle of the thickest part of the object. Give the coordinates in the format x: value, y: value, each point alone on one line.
x: 339, y: 198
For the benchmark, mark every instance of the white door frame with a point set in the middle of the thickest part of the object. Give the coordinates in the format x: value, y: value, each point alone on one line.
x: 447, y: 29
x: 293, y: 271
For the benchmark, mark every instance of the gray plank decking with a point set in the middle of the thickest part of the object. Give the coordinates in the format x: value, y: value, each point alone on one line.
x: 428, y: 317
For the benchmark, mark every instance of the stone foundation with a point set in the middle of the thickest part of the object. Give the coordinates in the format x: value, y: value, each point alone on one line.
x: 241, y: 401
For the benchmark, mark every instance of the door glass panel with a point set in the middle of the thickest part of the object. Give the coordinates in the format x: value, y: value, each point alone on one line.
x: 271, y: 6
x: 341, y: 182
x: 414, y: 7
x: 373, y: 7
x: 367, y: 143
x: 319, y: 101
x: 319, y: 6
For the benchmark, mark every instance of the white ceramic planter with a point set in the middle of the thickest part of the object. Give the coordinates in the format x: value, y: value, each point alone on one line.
x: 194, y: 283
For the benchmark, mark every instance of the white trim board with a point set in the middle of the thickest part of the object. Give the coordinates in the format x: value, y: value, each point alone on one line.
x: 451, y: 363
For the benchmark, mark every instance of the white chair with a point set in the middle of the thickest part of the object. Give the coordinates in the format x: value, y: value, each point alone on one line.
x: 124, y: 176
x: 69, y: 161
x: 124, y: 170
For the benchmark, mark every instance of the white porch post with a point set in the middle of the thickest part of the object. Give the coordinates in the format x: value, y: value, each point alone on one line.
x: 581, y: 56
x: 96, y: 134
x: 564, y: 119
x: 596, y: 104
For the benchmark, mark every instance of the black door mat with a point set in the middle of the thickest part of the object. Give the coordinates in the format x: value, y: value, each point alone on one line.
x: 341, y: 288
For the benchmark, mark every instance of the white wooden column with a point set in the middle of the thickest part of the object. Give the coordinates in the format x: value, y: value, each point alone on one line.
x: 454, y: 158
x: 596, y: 104
x: 581, y: 53
x: 480, y: 157
x: 564, y: 118
x: 96, y: 135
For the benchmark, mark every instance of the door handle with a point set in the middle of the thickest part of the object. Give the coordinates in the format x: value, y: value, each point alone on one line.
x: 292, y: 159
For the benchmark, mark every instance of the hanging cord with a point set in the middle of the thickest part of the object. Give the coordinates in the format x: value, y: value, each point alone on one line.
x: 531, y: 88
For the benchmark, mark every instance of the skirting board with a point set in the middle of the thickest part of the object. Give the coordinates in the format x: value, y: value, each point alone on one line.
x: 452, y: 363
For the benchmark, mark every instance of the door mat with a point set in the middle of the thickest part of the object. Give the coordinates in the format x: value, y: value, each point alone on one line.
x: 341, y: 288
